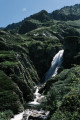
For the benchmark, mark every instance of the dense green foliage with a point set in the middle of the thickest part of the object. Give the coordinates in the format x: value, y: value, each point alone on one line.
x: 67, y: 13
x: 6, y: 115
x: 8, y: 94
x: 26, y: 51
x: 17, y: 73
x: 63, y: 96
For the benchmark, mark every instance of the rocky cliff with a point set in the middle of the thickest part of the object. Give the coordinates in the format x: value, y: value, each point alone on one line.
x: 26, y: 51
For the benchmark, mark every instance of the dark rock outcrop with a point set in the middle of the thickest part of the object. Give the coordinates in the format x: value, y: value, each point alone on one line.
x: 71, y: 52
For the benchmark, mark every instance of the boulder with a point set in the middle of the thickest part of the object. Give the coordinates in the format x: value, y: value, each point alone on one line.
x: 35, y: 115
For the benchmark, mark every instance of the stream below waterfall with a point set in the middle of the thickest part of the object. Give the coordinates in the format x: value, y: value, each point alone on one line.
x: 32, y: 113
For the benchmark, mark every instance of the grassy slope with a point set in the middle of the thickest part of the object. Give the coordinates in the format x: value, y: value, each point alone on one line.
x: 42, y: 40
x: 17, y: 73
x: 63, y: 97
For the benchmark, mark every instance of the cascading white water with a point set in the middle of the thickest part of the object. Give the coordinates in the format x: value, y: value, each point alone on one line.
x: 38, y: 97
x: 37, y: 100
x: 32, y: 113
x: 18, y: 117
x: 55, y: 64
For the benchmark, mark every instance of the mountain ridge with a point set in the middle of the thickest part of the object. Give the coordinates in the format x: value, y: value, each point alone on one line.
x: 26, y: 53
x: 65, y: 13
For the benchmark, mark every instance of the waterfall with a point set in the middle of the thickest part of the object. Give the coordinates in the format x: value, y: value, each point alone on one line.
x: 55, y: 64
x: 33, y: 113
x: 38, y: 97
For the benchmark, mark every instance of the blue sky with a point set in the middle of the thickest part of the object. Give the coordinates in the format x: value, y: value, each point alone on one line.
x: 12, y: 11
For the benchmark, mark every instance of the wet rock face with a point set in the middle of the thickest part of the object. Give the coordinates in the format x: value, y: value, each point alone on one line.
x: 35, y: 115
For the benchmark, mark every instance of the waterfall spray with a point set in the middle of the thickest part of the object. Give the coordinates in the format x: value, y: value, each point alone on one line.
x: 55, y: 64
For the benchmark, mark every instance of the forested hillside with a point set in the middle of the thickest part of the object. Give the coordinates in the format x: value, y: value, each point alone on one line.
x: 26, y: 51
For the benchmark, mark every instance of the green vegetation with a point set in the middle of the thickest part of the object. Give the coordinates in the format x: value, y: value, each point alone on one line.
x: 8, y: 94
x: 63, y: 95
x: 67, y: 13
x: 6, y: 115
x: 26, y: 51
x: 17, y: 74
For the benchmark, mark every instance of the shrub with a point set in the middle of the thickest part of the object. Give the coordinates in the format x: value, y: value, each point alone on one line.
x: 6, y: 115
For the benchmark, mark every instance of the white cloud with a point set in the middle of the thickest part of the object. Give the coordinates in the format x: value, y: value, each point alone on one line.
x: 24, y: 9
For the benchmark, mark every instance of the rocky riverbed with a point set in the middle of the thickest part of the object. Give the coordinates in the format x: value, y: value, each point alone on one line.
x: 33, y: 113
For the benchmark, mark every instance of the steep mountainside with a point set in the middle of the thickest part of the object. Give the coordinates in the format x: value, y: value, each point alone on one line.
x: 63, y: 91
x: 43, y: 18
x: 26, y: 51
x: 45, y: 43
x: 17, y: 73
x: 67, y: 13
x: 31, y: 22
